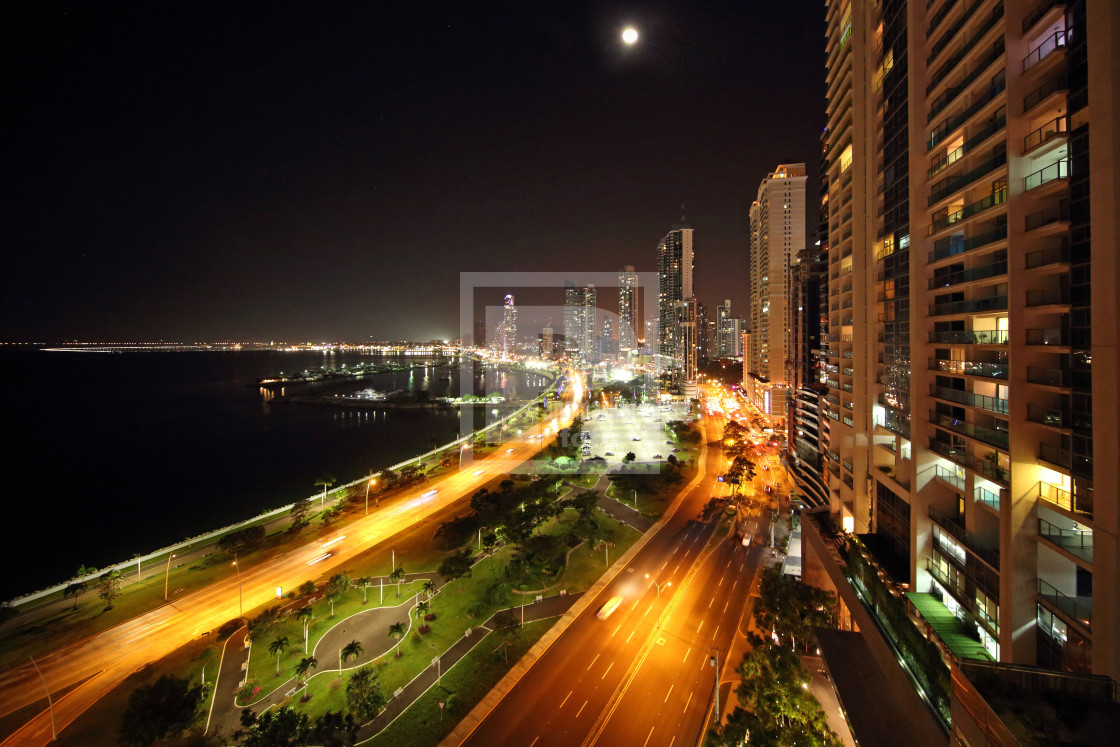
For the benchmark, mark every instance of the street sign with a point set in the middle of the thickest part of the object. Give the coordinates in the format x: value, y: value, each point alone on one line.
x: 441, y: 706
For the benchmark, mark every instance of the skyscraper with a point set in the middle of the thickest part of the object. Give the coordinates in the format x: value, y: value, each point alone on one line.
x: 579, y: 322
x: 777, y: 236
x: 508, y: 334
x: 629, y: 325
x: 674, y: 279
x: 971, y: 202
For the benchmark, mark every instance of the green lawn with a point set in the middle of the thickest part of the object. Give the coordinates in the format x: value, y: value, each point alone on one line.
x: 460, y: 689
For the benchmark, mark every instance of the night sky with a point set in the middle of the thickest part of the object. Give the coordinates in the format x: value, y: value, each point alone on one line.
x: 314, y: 171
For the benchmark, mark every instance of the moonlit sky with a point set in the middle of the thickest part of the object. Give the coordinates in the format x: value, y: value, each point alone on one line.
x: 312, y: 171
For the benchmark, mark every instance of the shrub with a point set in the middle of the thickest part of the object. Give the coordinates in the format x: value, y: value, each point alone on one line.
x: 425, y: 629
x: 430, y: 616
x: 231, y: 627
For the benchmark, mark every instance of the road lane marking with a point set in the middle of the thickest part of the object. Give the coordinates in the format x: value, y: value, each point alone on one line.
x: 535, y: 740
x: 648, y: 736
x: 714, y: 634
x: 668, y: 694
x: 687, y: 702
x: 720, y: 582
x: 581, y: 709
x: 618, y: 629
x: 630, y: 636
x: 677, y: 568
x: 701, y: 625
x: 710, y: 602
x: 686, y: 653
x: 607, y: 672
x: 672, y: 740
x: 725, y: 605
x: 593, y: 661
x: 565, y: 700
x: 648, y: 610
x: 734, y: 585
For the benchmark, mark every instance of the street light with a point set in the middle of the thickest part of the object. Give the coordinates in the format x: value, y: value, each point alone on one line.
x: 369, y: 485
x: 714, y: 662
x: 167, y: 575
x: 240, y: 603
x: 659, y: 588
x: 465, y: 445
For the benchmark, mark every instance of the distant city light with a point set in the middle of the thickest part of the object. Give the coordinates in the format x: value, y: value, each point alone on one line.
x: 629, y: 36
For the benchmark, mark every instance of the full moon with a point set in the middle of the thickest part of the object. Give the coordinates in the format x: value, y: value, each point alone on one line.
x: 629, y: 36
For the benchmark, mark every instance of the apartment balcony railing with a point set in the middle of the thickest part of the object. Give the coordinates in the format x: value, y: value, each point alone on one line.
x: 976, y: 464
x: 1057, y: 377
x: 1047, y: 174
x: 950, y: 124
x: 1077, y: 541
x: 970, y: 368
x: 969, y: 306
x: 946, y: 187
x: 1050, y: 256
x: 983, y: 272
x: 990, y: 436
x: 1057, y: 337
x: 968, y: 539
x: 991, y: 404
x: 1055, y: 214
x: 1048, y: 46
x: 936, y: 48
x: 1032, y: 18
x: 987, y: 497
x: 1049, y: 416
x: 949, y: 476
x: 1079, y: 609
x: 1038, y: 95
x: 997, y: 197
x: 1045, y: 133
x: 1080, y: 504
x: 944, y: 161
x: 974, y: 337
x: 1056, y: 455
x: 1048, y: 297
x: 949, y: 95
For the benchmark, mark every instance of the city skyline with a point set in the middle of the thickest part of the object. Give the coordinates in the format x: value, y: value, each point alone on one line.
x: 185, y: 175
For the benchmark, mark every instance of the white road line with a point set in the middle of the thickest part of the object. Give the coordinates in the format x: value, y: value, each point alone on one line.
x: 668, y: 694
x: 630, y: 636
x: 565, y: 700
x: 607, y: 672
x: 701, y: 625
x: 725, y: 605
x: 710, y: 602
x: 593, y: 661
x: 735, y: 584
x: 720, y: 582
x: 581, y: 709
x: 535, y: 740
x: 648, y: 610
x: 687, y: 702
x: 686, y: 653
x: 672, y: 740
x: 677, y: 568
x: 715, y: 633
x: 620, y: 627
x: 647, y: 736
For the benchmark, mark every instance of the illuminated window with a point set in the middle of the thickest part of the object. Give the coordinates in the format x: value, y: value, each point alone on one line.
x: 846, y: 158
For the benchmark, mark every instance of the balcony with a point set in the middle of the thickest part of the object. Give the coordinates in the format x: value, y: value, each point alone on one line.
x: 949, y: 476
x: 1055, y: 377
x: 969, y: 306
x: 979, y: 465
x: 1044, y: 92
x: 1053, y: 172
x: 997, y: 197
x: 1054, y: 336
x: 970, y: 368
x: 1077, y: 504
x: 1077, y: 542
x: 1037, y: 14
x: 949, y: 95
x: 1047, y: 297
x: 982, y: 272
x: 989, y: 436
x: 1049, y: 417
x: 1057, y: 456
x: 950, y: 124
x: 1074, y: 609
x: 939, y: 45
x: 975, y: 337
x: 1056, y: 257
x: 987, y: 497
x: 988, y: 554
x: 1050, y: 220
x: 946, y: 187
x: 1054, y: 130
x: 1049, y: 45
x: 991, y: 404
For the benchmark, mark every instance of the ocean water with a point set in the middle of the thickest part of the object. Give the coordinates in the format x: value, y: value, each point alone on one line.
x: 112, y: 455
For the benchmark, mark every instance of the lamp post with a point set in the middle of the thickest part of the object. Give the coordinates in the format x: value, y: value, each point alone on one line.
x: 466, y: 445
x: 167, y: 575
x: 714, y: 662
x: 659, y: 588
x: 240, y: 598
x: 369, y: 485
x: 480, y: 538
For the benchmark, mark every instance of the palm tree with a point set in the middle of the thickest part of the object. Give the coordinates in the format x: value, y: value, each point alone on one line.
x: 364, y: 582
x: 351, y: 650
x: 396, y: 630
x: 326, y: 480
x: 429, y: 588
x: 304, y: 615
x: 421, y: 608
x: 396, y: 577
x: 304, y: 665
x: 277, y: 647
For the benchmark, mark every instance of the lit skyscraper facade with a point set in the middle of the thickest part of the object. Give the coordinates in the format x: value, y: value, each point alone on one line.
x: 674, y: 276
x: 629, y: 325
x: 972, y: 311
x: 579, y: 322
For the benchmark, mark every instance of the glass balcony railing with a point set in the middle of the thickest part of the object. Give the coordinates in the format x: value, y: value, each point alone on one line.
x: 1059, y: 457
x: 1045, y: 133
x: 987, y: 497
x: 1048, y: 297
x: 973, y: 337
x: 1038, y: 95
x: 1050, y: 256
x: 949, y: 124
x: 1057, y: 377
x: 1056, y: 170
x: 991, y: 404
x: 1048, y: 46
x: 962, y: 457
x: 1076, y: 503
x: 1054, y: 336
x: 983, y: 272
x: 1074, y: 608
x: 997, y: 197
x: 990, y: 555
x: 1077, y: 541
x: 1055, y: 214
x: 949, y: 476
x: 990, y: 436
x: 954, y: 184
x: 1033, y: 17
x: 969, y: 306
x: 970, y: 368
x: 939, y: 104
x: 1049, y: 416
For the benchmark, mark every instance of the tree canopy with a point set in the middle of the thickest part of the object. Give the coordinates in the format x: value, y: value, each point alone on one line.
x: 158, y: 711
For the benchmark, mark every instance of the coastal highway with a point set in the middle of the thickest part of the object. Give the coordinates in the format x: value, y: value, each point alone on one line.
x: 640, y: 676
x: 96, y: 665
